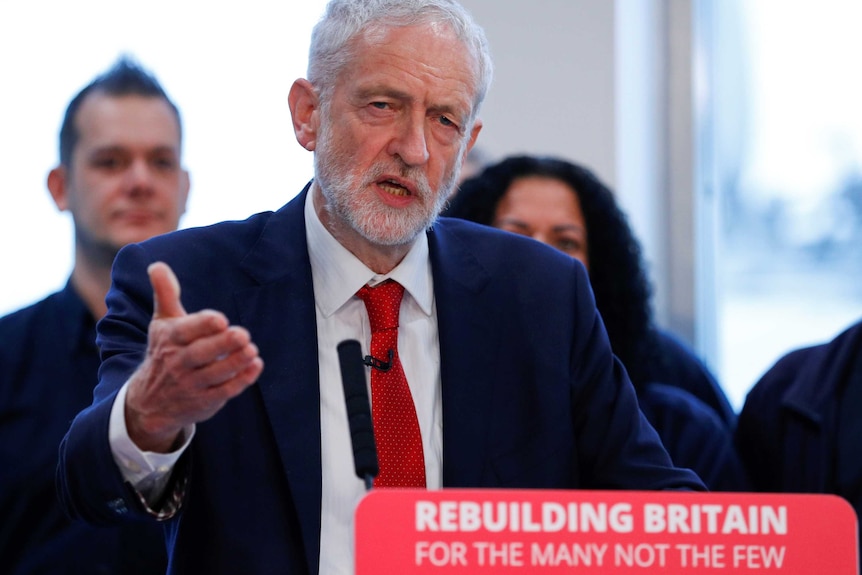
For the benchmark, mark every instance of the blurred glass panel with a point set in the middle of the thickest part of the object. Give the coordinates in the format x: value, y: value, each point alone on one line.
x: 788, y: 162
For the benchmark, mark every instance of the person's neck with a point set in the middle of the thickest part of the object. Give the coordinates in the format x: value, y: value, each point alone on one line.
x: 379, y: 259
x: 92, y: 281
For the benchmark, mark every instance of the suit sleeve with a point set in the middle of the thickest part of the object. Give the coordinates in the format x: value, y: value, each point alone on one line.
x: 90, y: 485
x: 617, y: 447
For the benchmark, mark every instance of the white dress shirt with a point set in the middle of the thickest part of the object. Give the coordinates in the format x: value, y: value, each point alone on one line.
x: 337, y: 275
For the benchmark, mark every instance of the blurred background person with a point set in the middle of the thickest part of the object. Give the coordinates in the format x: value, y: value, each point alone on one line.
x: 121, y: 178
x: 564, y: 205
x: 800, y: 428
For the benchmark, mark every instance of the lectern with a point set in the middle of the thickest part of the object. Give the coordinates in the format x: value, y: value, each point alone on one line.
x: 478, y: 531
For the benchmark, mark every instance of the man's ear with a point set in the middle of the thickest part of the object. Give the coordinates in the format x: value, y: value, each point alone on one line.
x: 58, y: 186
x: 304, y: 110
x: 474, y: 134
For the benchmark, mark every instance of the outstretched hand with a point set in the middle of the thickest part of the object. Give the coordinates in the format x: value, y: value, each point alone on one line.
x: 195, y: 363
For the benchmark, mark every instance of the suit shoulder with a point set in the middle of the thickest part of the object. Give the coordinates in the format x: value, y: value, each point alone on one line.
x: 22, y: 331
x: 231, y: 232
x: 197, y: 250
x: 812, y: 372
x: 17, y: 323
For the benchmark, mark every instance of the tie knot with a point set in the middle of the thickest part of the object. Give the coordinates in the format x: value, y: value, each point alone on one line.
x: 383, y: 303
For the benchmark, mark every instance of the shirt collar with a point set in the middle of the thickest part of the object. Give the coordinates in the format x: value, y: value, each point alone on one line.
x: 338, y: 274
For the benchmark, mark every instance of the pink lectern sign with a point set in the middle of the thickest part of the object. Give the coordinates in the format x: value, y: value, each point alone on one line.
x: 530, y: 531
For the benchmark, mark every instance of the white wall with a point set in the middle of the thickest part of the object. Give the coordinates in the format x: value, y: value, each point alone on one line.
x: 553, y: 91
x: 228, y: 66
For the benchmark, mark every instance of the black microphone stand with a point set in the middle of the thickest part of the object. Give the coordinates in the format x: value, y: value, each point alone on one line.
x: 358, y: 411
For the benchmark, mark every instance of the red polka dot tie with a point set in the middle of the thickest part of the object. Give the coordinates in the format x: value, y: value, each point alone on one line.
x: 396, y: 427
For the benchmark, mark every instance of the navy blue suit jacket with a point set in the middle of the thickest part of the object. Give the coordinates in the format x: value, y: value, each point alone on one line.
x: 48, y: 369
x: 532, y: 396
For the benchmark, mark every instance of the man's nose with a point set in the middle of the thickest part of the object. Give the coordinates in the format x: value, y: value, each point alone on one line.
x: 410, y: 144
x: 140, y: 177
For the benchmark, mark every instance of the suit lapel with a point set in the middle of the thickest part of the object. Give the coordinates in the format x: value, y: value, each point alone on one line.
x: 279, y: 313
x: 289, y: 384
x: 467, y: 343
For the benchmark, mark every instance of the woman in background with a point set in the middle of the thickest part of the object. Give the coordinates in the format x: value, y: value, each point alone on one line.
x: 564, y: 205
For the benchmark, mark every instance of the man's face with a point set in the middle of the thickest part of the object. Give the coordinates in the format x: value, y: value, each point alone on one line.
x: 394, y: 132
x: 124, y: 183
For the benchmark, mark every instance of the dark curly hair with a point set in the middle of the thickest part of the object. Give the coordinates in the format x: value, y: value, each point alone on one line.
x: 616, y: 267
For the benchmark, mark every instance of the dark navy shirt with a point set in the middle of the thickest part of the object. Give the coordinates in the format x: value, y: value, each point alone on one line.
x: 48, y: 369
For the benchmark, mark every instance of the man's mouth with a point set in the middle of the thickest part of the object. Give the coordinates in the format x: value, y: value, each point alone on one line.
x: 136, y: 216
x: 394, y: 188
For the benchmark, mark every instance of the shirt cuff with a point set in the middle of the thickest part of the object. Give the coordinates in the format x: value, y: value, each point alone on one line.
x: 148, y: 472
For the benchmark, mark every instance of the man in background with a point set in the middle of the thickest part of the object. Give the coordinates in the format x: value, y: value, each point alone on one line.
x: 120, y: 177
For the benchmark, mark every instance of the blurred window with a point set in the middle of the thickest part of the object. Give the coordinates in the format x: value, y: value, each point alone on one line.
x: 786, y: 119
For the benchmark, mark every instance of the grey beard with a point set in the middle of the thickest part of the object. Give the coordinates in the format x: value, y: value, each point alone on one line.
x: 398, y: 227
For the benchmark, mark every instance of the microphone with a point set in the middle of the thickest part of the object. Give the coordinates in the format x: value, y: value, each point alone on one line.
x: 375, y: 363
x: 358, y: 411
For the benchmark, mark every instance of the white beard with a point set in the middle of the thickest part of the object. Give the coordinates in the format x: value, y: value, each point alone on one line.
x: 375, y: 221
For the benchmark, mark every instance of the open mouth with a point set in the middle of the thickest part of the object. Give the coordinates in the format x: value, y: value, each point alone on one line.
x: 394, y: 188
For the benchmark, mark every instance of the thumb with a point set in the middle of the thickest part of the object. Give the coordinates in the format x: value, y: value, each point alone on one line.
x: 166, y: 291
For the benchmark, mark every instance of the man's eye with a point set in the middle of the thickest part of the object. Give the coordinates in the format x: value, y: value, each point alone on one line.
x: 165, y: 163
x: 107, y: 163
x: 380, y: 105
x: 447, y: 122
